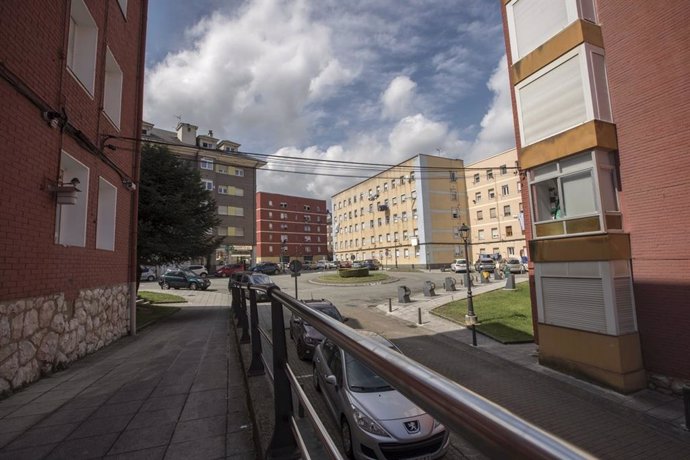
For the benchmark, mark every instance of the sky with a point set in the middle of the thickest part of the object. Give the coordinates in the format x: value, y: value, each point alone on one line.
x: 373, y: 81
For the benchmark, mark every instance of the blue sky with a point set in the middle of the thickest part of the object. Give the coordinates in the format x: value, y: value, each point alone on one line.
x: 357, y: 80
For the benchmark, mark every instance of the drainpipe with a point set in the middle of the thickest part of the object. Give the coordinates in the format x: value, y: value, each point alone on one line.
x: 134, y: 197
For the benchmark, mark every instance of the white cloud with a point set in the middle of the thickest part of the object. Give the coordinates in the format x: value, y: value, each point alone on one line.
x: 497, y: 132
x: 417, y: 134
x: 397, y: 99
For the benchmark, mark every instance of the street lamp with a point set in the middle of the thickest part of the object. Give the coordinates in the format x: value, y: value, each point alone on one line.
x: 470, y: 317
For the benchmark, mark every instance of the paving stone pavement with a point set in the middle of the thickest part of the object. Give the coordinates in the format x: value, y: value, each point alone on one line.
x: 176, y: 390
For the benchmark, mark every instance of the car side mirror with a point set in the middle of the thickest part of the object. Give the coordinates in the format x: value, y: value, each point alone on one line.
x: 331, y: 380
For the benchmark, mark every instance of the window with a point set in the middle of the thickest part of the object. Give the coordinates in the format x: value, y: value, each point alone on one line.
x: 480, y: 235
x: 373, y: 239
x: 405, y: 235
x: 371, y: 223
x: 406, y: 253
x: 505, y: 190
x: 393, y: 184
x: 207, y: 184
x: 453, y: 176
x: 371, y: 207
x: 480, y: 215
x: 492, y: 194
x: 506, y: 210
x: 494, y: 233
x: 492, y: 213
x: 307, y: 228
x: 404, y: 216
x: 83, y: 39
x: 511, y: 251
x: 395, y: 236
x: 307, y: 207
x: 403, y: 198
x: 270, y: 226
x: 453, y: 195
x: 568, y: 92
x: 239, y: 172
x: 489, y: 174
x: 385, y: 186
x: 378, y: 189
x: 413, y: 194
x: 475, y: 178
x: 477, y: 197
x: 509, y: 230
x: 283, y: 205
x: 378, y: 221
x: 230, y: 190
x: 395, y: 218
x: 270, y: 249
x: 105, y: 223
x: 412, y: 176
x: 380, y: 238
x: 112, y: 89
x: 206, y: 163
x: 388, y: 236
x: 270, y: 203
x: 567, y: 189
x: 414, y: 214
x: 455, y: 212
x: 503, y: 169
x: 283, y: 216
x: 235, y: 231
x: 307, y: 238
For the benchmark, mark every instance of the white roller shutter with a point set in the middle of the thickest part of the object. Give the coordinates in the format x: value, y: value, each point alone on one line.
x: 535, y: 21
x: 576, y: 303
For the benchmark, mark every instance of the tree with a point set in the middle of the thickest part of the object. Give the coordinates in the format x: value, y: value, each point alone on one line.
x: 176, y: 214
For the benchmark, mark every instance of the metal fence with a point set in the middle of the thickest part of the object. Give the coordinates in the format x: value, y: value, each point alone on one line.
x: 491, y: 429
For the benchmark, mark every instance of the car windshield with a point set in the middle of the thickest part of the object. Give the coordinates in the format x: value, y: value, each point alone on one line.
x: 260, y: 279
x: 361, y: 379
x: 188, y: 272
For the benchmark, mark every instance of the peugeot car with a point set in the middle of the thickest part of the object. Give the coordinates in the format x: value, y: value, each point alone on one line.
x: 376, y: 421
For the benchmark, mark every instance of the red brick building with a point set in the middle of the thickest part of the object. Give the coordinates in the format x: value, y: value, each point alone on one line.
x: 290, y: 228
x: 601, y: 101
x: 71, y: 85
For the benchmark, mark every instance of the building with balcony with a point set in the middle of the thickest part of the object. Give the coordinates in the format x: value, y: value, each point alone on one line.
x: 600, y: 103
x: 229, y: 175
x: 290, y: 228
x: 408, y: 215
x: 495, y: 206
x: 71, y: 83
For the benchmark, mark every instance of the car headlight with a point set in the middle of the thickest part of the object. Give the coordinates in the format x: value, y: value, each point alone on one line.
x: 367, y: 423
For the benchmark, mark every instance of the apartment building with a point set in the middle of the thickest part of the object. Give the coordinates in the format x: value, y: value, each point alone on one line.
x: 408, y: 215
x: 290, y: 228
x: 600, y: 105
x: 494, y: 199
x: 71, y: 85
x: 229, y: 174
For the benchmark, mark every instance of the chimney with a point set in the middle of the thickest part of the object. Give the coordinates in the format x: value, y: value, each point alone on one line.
x: 186, y: 133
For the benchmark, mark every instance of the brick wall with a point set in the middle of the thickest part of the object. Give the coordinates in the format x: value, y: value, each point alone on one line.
x: 647, y: 64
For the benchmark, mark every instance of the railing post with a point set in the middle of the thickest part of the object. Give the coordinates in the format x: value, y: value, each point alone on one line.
x: 235, y: 299
x: 244, y: 321
x: 257, y: 366
x: 283, y: 444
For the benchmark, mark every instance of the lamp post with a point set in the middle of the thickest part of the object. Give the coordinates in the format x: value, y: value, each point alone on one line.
x: 395, y: 251
x: 470, y: 317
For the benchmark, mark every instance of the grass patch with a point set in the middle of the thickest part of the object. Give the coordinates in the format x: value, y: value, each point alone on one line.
x: 505, y: 316
x: 161, y: 297
x: 336, y: 279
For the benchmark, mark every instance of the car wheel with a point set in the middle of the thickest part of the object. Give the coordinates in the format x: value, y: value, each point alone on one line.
x: 165, y: 286
x: 315, y: 379
x: 346, y: 437
x: 151, y: 278
x: 204, y: 275
x: 193, y: 286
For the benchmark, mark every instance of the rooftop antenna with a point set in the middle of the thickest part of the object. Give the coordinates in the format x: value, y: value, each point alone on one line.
x: 179, y: 118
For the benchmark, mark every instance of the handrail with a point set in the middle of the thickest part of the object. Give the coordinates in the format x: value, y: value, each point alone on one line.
x: 492, y: 429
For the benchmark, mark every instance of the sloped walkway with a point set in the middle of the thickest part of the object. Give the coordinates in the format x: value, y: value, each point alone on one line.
x: 174, y: 391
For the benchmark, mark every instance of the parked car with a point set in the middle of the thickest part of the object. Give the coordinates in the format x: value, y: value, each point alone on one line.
x: 485, y: 264
x: 375, y: 420
x: 226, y: 270
x: 326, y: 264
x: 342, y: 264
x: 268, y: 268
x: 459, y: 266
x: 371, y: 264
x: 252, y: 278
x: 516, y: 266
x: 148, y: 274
x: 178, y: 278
x: 306, y: 337
x: 198, y: 269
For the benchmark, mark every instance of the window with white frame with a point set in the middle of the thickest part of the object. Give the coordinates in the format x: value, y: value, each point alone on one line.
x: 480, y: 234
x: 82, y: 43
x: 489, y: 174
x: 405, y: 235
x: 506, y: 210
x: 477, y: 197
x: 567, y: 189
x: 403, y: 198
x: 476, y: 178
x: 206, y: 163
x: 453, y: 176
x: 533, y: 22
x: 492, y: 193
x: 388, y: 236
x: 509, y: 230
x: 568, y: 92
x: 492, y: 213
x: 406, y: 253
x: 70, y: 222
x: 494, y: 233
x: 106, y: 220
x: 505, y: 190
x: 503, y: 169
x: 112, y: 89
x: 480, y: 215
x: 283, y: 204
x: 207, y: 184
x: 403, y: 216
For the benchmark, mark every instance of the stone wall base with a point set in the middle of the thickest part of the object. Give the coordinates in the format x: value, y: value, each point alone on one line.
x: 42, y: 334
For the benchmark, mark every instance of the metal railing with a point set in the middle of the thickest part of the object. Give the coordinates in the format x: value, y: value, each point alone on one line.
x: 490, y: 428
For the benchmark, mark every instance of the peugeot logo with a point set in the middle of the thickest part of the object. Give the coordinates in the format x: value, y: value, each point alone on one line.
x: 412, y: 426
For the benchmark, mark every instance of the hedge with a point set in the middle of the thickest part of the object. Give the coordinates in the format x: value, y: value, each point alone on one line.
x: 353, y: 272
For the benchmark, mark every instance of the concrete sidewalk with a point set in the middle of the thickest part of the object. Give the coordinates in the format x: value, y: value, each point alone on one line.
x: 174, y: 391
x: 667, y: 410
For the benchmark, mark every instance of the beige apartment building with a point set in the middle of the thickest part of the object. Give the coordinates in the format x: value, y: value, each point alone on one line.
x: 494, y: 198
x: 408, y: 215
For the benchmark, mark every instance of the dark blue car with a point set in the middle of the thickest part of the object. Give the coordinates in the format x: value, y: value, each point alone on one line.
x: 267, y: 268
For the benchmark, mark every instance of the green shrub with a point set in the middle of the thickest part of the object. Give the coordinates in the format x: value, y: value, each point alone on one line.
x: 353, y: 272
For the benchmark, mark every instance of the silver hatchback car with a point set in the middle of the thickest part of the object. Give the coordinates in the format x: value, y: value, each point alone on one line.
x: 376, y: 421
